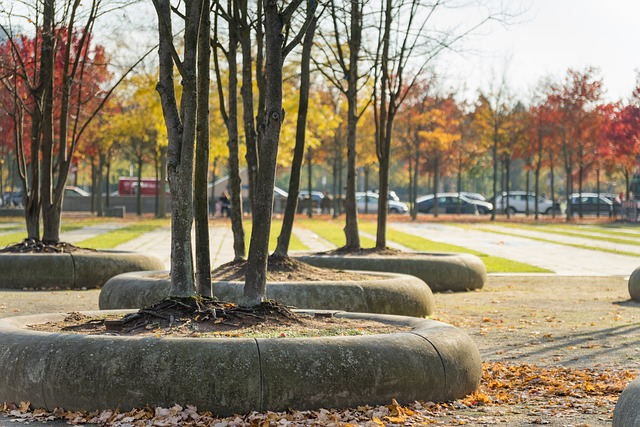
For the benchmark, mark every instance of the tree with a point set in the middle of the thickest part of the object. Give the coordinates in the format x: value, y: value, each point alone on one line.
x: 181, y: 127
x: 59, y: 78
x: 575, y: 99
x: 229, y: 113
x: 341, y: 52
x: 294, y: 181
x: 276, y: 49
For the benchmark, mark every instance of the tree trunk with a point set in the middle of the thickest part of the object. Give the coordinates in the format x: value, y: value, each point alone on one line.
x: 99, y: 204
x: 256, y: 277
x: 200, y: 205
x: 284, y: 238
x: 181, y: 135
x: 436, y: 182
x: 251, y: 142
x: 235, y: 184
x: 494, y: 155
x: 139, y: 192
x: 50, y: 213
x: 162, y: 206
x: 351, y: 227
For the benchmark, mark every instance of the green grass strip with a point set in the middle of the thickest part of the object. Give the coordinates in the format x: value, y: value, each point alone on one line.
x: 332, y: 231
x: 609, y: 231
x: 276, y: 226
x: 573, y: 245
x: 11, y: 238
x: 554, y: 231
x: 493, y: 264
x: 112, y: 239
x: 18, y: 236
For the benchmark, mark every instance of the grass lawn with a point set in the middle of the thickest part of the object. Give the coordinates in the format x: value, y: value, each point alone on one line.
x: 331, y: 230
x: 276, y: 225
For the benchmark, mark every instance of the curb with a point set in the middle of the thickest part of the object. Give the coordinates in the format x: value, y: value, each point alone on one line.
x: 433, y: 362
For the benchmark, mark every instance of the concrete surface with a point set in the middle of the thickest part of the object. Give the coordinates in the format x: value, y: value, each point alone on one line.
x: 440, y: 363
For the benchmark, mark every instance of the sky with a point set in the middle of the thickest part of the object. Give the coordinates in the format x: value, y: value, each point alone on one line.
x: 550, y: 37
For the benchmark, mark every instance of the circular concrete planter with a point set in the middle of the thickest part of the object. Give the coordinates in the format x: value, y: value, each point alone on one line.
x: 443, y: 272
x: 627, y: 411
x: 432, y: 362
x: 634, y: 285
x: 386, y: 294
x: 69, y: 270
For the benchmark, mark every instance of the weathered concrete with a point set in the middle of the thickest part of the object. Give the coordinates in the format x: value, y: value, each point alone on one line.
x: 385, y: 294
x: 634, y: 285
x: 432, y: 362
x: 69, y: 270
x: 456, y: 272
x: 627, y: 412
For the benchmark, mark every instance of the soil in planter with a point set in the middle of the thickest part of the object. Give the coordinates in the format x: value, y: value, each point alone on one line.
x: 33, y: 246
x: 286, y: 269
x: 199, y: 317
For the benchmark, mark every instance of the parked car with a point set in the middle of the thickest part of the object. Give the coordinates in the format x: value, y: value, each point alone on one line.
x: 592, y: 204
x: 516, y: 202
x: 13, y: 199
x: 448, y: 204
x: 72, y: 191
x: 368, y: 202
x: 473, y: 196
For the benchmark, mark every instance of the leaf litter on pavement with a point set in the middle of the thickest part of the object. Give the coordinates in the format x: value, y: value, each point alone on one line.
x: 524, y: 391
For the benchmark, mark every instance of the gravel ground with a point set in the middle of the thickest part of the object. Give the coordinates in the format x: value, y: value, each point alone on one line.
x: 577, y: 323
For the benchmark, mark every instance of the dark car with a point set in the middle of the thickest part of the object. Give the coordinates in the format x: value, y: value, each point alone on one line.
x: 592, y: 204
x: 448, y: 204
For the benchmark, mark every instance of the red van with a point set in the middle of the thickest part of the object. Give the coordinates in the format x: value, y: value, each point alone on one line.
x: 129, y: 186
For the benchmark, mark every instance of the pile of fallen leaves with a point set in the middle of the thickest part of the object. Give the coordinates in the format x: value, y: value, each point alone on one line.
x: 506, y: 390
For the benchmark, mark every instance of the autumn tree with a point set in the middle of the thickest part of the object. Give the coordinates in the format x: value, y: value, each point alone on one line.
x: 60, y: 78
x: 575, y: 99
x: 339, y: 61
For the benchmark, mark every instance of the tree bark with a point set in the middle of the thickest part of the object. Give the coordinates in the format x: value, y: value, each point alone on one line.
x: 235, y: 183
x: 251, y: 138
x: 201, y: 205
x: 284, y: 238
x: 256, y: 278
x: 351, y: 210
x: 181, y: 136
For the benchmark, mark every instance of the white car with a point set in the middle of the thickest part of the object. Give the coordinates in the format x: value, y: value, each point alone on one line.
x: 368, y: 202
x: 516, y: 202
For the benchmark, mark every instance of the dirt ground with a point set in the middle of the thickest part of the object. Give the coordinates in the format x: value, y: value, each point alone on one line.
x: 573, y: 330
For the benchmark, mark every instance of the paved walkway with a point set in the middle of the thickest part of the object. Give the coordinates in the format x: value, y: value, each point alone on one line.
x: 563, y: 260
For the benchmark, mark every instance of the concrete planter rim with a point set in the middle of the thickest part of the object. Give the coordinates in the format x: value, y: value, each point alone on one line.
x: 242, y: 374
x: 75, y: 270
x: 384, y: 293
x: 442, y: 271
